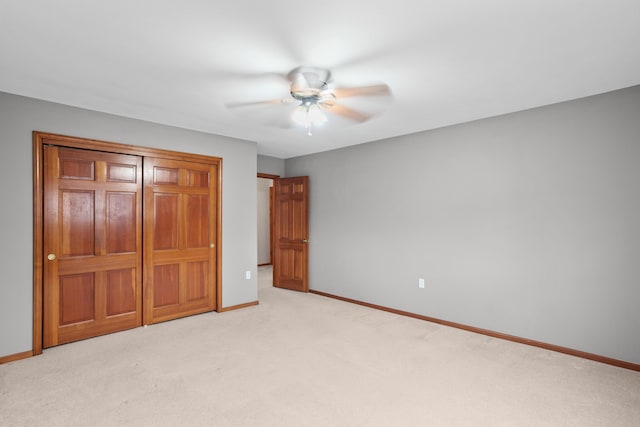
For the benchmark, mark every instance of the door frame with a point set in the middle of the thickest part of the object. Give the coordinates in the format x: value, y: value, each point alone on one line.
x: 40, y: 139
x: 271, y: 215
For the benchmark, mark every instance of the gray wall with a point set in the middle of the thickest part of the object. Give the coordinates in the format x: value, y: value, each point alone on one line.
x: 270, y: 165
x: 19, y: 116
x: 526, y: 224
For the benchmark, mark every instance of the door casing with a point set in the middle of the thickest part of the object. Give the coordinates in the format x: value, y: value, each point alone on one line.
x: 40, y: 139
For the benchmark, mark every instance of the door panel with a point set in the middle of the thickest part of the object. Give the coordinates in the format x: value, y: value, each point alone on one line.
x: 165, y: 224
x: 180, y: 227
x: 121, y: 295
x: 93, y: 234
x: 197, y: 221
x: 77, y: 213
x: 165, y: 287
x: 290, y: 266
x: 121, y: 222
x: 197, y: 278
x: 77, y: 297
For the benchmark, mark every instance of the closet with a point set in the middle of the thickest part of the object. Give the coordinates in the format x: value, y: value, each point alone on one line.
x: 123, y: 236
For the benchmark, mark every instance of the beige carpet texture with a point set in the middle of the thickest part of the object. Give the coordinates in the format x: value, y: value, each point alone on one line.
x: 305, y: 360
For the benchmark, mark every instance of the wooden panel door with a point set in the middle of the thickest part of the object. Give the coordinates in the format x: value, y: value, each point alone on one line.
x: 180, y: 236
x: 92, y: 244
x: 291, y: 254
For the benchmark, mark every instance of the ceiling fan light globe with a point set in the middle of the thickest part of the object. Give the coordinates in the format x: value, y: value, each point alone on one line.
x: 309, y: 114
x: 315, y: 115
x: 300, y: 115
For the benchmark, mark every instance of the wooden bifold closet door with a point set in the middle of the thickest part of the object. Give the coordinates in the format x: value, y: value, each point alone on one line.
x: 92, y: 243
x: 180, y: 236
x: 126, y: 239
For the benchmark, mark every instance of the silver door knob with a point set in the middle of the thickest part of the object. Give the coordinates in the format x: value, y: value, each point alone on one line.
x: 51, y: 257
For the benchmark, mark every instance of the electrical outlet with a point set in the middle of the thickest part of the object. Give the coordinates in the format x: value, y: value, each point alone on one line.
x: 247, y: 274
x: 421, y: 283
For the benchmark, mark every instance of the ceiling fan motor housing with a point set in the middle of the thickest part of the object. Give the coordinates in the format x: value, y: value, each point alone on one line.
x: 309, y: 85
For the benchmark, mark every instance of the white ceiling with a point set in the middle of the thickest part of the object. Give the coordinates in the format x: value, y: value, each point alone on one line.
x: 447, y: 61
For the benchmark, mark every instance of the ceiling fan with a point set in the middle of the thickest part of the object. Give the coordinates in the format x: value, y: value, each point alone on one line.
x: 311, y: 90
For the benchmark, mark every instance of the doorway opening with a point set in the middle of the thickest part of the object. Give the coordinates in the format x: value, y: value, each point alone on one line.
x: 265, y: 204
x: 266, y: 221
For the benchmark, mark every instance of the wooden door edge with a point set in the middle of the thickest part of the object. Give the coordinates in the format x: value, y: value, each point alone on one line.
x: 219, y: 239
x: 38, y: 242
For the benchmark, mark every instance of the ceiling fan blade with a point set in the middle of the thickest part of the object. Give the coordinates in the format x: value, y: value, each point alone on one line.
x: 256, y: 103
x: 348, y: 113
x: 373, y: 90
x: 327, y: 102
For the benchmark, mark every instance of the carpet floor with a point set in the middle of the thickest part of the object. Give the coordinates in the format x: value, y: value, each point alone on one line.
x: 306, y: 360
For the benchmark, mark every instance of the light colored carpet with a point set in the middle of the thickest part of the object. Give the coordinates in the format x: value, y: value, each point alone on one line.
x: 305, y: 360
